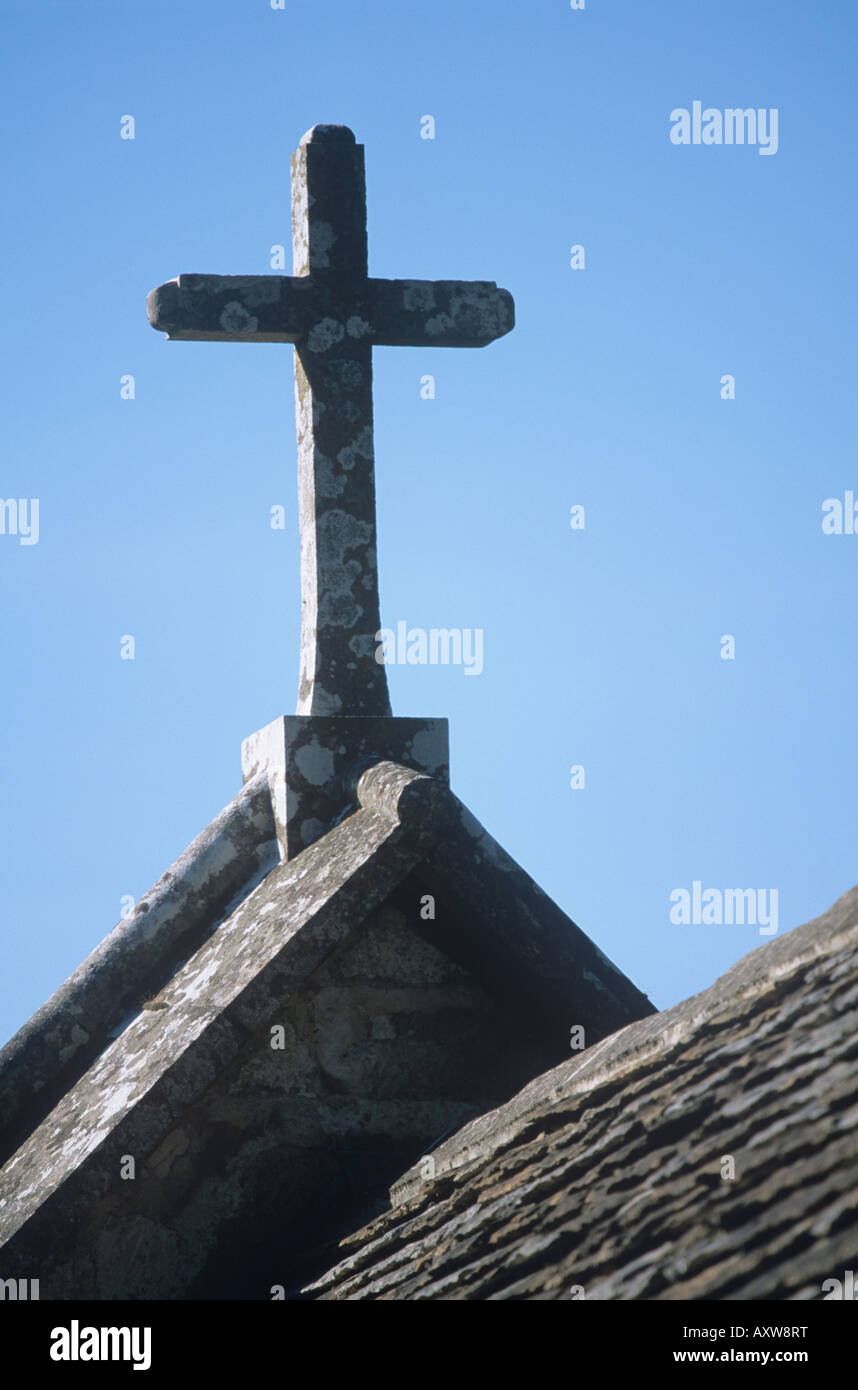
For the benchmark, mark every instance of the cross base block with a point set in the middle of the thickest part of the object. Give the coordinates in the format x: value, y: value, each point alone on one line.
x: 314, y: 763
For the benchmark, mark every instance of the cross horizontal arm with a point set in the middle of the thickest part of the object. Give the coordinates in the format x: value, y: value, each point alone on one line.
x: 439, y: 313
x: 288, y: 308
x: 232, y: 308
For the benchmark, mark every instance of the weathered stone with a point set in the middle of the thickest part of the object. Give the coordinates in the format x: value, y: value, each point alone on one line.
x: 313, y: 765
x: 418, y: 802
x: 334, y: 312
x: 286, y: 308
x: 63, y: 1037
x: 391, y: 1034
x: 163, y: 1064
x: 493, y: 916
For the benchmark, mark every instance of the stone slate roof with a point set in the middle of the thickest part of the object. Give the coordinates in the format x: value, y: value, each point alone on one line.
x: 606, y: 1172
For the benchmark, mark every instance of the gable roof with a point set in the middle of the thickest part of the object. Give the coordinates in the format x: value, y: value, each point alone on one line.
x: 229, y: 955
x: 606, y: 1173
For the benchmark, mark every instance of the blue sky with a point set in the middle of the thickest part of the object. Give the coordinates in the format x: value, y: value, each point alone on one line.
x: 603, y: 645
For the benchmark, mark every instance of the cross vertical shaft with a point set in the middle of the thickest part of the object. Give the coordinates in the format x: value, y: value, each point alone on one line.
x: 333, y: 403
x: 334, y: 313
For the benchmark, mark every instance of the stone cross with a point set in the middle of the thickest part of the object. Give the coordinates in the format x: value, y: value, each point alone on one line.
x: 334, y: 312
